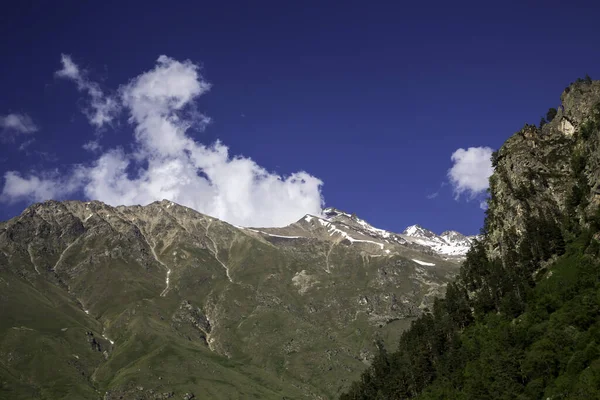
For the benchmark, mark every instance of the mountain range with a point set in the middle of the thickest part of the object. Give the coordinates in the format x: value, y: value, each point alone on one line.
x: 338, y: 226
x: 161, y: 301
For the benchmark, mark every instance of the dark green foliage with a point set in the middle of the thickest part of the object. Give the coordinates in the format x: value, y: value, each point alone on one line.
x: 457, y: 306
x: 550, y: 350
x: 495, y: 158
x: 587, y: 80
x: 577, y: 198
x: 542, y: 122
x: 587, y: 129
x: 592, y: 125
x: 509, y: 327
x: 551, y: 114
x: 524, y: 325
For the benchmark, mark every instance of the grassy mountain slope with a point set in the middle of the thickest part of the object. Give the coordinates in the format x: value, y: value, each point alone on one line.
x: 159, y: 301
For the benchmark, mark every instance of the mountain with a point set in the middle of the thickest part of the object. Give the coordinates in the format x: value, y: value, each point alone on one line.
x: 161, y: 301
x: 449, y: 243
x: 338, y: 225
x: 522, y: 318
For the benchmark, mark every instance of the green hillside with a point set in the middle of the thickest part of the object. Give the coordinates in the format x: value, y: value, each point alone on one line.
x: 522, y: 320
x: 162, y: 302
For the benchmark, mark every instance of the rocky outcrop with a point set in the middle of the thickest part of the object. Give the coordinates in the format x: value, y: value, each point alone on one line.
x: 94, y: 344
x: 538, y: 171
x: 188, y: 316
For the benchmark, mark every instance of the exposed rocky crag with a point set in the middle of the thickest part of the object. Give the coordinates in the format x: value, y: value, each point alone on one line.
x: 542, y: 173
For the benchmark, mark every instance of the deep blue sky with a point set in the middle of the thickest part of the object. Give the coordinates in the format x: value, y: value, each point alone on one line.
x: 372, y: 99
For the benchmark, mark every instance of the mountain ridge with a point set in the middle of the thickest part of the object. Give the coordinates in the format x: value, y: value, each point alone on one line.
x: 109, y: 294
x: 451, y: 244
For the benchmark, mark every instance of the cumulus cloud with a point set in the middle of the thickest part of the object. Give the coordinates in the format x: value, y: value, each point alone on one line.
x: 16, y: 124
x: 35, y: 188
x: 470, y: 171
x: 102, y: 108
x: 168, y: 163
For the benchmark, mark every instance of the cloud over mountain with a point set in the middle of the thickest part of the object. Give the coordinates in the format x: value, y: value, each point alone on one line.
x: 470, y: 171
x: 166, y: 161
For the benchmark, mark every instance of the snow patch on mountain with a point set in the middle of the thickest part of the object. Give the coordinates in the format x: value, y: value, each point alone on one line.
x: 449, y: 243
x: 424, y: 263
x: 273, y: 235
x: 351, y: 220
x: 334, y: 230
x: 336, y: 225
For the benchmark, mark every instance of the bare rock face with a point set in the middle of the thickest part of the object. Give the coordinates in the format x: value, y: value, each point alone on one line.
x: 191, y: 322
x: 538, y: 171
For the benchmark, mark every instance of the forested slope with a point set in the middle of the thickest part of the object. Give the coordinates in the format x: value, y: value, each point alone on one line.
x: 522, y: 320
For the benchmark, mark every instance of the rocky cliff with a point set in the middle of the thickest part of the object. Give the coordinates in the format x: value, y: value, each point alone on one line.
x: 543, y: 174
x: 521, y: 320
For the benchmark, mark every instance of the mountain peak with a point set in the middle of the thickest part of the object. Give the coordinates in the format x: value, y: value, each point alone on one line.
x: 452, y: 235
x: 418, y: 231
x: 448, y: 243
x: 331, y: 212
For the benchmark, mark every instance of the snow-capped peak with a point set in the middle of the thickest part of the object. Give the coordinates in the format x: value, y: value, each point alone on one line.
x: 418, y: 231
x: 457, y: 238
x: 331, y: 212
x: 453, y: 235
x: 353, y: 228
x: 448, y: 243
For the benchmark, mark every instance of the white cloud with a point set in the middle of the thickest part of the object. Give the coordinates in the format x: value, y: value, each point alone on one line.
x: 471, y: 171
x: 23, y: 146
x: 176, y: 167
x: 103, y: 108
x: 92, y: 146
x: 34, y: 188
x: 483, y: 205
x: 16, y: 124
